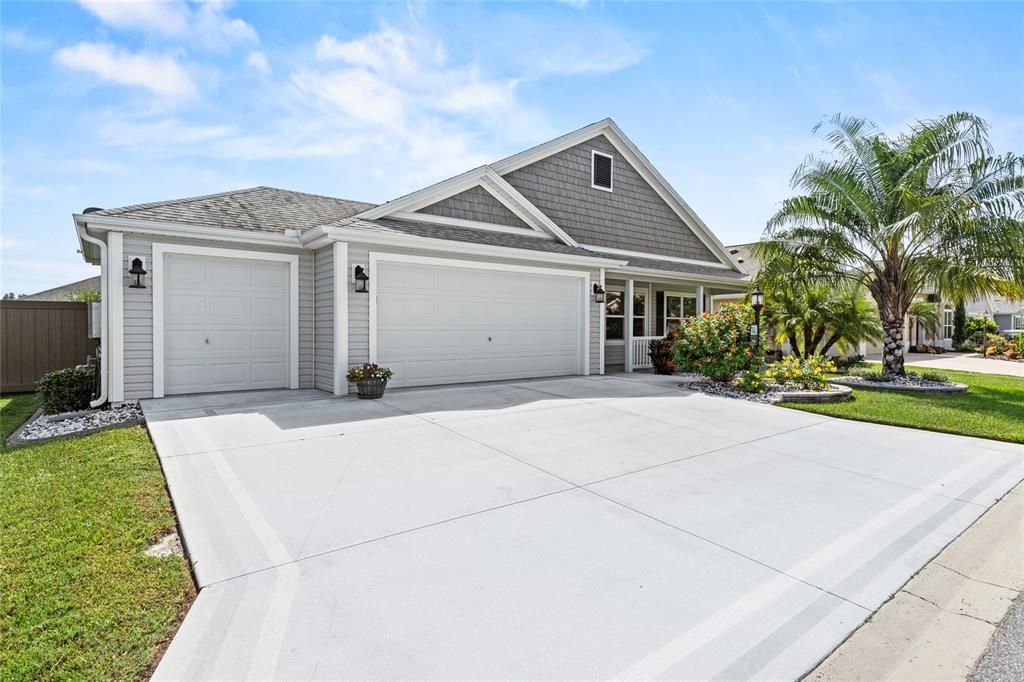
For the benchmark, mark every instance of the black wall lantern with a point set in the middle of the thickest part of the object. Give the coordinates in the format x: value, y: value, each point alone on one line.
x: 598, y: 293
x: 137, y: 273
x: 362, y: 279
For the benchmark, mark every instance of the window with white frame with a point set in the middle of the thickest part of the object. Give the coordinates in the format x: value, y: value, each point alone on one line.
x: 947, y: 322
x: 678, y: 307
x: 614, y: 314
x: 1017, y: 323
x: 639, y: 312
x: 601, y: 171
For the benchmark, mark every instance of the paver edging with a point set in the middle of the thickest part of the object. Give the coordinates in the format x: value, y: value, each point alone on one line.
x: 905, y: 388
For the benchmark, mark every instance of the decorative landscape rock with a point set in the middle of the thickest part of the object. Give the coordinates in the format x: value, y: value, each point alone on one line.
x: 774, y: 394
x: 908, y: 383
x: 44, y: 427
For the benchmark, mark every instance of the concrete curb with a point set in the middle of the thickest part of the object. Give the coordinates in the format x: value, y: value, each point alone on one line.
x: 837, y: 395
x: 942, y: 620
x: 15, y: 438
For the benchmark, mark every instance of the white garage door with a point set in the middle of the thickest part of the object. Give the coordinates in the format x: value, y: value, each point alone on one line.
x: 225, y: 324
x: 442, y: 324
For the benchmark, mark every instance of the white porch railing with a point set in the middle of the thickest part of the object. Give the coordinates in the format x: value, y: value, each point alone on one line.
x: 641, y: 355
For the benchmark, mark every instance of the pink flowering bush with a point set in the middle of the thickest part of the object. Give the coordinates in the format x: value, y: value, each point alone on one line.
x: 716, y: 345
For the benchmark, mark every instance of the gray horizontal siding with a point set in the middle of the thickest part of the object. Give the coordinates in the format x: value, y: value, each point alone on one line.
x: 323, y: 308
x: 138, y: 313
x: 476, y: 204
x: 632, y: 216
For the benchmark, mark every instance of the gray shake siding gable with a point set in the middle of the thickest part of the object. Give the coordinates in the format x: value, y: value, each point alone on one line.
x: 138, y: 314
x: 632, y: 216
x: 476, y: 204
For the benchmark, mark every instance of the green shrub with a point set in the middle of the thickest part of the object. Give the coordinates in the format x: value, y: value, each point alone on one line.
x: 977, y: 323
x: 716, y: 345
x: 807, y: 373
x: 935, y: 376
x: 869, y: 374
x: 67, y: 390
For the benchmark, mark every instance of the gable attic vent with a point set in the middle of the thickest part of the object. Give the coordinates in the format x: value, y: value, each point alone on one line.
x: 601, y: 171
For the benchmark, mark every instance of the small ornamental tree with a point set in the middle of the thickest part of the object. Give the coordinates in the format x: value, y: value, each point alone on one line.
x: 717, y: 345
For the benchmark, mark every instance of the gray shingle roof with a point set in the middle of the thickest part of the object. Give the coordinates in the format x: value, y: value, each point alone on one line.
x: 260, y: 209
x: 268, y: 209
x: 64, y: 292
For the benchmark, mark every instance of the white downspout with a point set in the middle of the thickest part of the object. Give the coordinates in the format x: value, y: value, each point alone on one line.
x: 104, y: 321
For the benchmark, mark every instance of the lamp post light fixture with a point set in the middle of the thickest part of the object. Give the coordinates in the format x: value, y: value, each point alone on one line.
x: 757, y: 303
x: 137, y: 272
x: 598, y: 293
x: 362, y: 279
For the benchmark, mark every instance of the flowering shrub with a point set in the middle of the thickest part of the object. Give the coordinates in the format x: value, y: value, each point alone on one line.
x: 716, y: 345
x: 808, y: 373
x: 751, y: 380
x: 661, y: 354
x: 368, y: 370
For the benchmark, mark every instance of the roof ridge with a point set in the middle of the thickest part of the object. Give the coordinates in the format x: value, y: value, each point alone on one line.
x: 181, y: 200
x: 319, y: 196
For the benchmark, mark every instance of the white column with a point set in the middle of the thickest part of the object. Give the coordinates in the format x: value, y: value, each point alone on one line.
x: 341, y: 291
x: 627, y: 325
x: 602, y: 326
x: 700, y: 300
x: 113, y: 354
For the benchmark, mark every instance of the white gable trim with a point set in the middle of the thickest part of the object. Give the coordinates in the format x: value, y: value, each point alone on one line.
x: 632, y: 154
x: 656, y: 256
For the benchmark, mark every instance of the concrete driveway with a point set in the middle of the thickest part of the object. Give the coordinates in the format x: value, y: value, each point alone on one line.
x: 599, y: 527
x: 964, y: 362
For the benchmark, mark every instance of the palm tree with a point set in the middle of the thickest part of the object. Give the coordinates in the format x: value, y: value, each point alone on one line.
x: 814, y: 318
x: 931, y: 207
x: 923, y: 315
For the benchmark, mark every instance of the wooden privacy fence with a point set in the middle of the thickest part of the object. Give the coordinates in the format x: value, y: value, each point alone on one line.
x: 37, y: 337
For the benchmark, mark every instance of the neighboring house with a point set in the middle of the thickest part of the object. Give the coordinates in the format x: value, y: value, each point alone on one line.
x: 496, y: 273
x: 1007, y: 313
x: 66, y: 291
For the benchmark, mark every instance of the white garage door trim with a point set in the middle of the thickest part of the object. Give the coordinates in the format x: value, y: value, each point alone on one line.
x: 584, y: 276
x: 160, y: 249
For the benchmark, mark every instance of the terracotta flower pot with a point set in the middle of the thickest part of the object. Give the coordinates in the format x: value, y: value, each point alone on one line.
x: 371, y: 389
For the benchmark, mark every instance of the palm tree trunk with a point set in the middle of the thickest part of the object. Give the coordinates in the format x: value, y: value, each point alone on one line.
x: 892, y: 348
x: 832, y: 340
x: 793, y: 347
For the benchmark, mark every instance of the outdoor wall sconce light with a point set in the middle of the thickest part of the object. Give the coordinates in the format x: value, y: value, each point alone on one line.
x: 137, y: 272
x: 598, y: 293
x: 362, y: 279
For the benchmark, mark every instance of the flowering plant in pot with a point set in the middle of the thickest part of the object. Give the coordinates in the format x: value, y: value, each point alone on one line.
x: 370, y: 379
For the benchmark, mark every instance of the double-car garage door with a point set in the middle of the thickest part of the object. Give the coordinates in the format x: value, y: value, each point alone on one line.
x: 441, y: 324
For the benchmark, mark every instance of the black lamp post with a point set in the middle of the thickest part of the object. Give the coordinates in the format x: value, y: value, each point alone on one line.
x: 598, y: 293
x: 756, y: 302
x: 137, y: 272
x: 362, y: 280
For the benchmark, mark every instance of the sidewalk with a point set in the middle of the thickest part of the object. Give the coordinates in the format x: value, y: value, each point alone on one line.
x: 964, y: 362
x: 942, y: 621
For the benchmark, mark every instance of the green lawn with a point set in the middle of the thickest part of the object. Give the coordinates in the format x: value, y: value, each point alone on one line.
x: 78, y: 598
x: 993, y: 407
x: 14, y: 411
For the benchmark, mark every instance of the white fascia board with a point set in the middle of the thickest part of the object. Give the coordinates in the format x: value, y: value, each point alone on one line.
x: 90, y: 252
x: 636, y: 158
x: 221, y: 234
x: 662, y: 275
x: 451, y: 246
x: 427, y: 196
x: 656, y: 256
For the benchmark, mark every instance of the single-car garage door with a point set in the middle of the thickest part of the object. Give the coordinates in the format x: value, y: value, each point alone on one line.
x: 226, y: 323
x: 438, y: 324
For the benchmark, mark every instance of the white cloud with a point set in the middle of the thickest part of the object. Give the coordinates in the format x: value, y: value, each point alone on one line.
x: 18, y: 39
x: 258, y: 61
x: 205, y: 24
x: 161, y: 75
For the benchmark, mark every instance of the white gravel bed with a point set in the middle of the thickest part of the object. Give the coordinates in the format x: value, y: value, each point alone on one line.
x: 902, y: 383
x: 770, y: 395
x: 51, y: 426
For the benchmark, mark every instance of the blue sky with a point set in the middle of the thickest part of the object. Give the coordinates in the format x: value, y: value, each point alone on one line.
x: 108, y: 104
